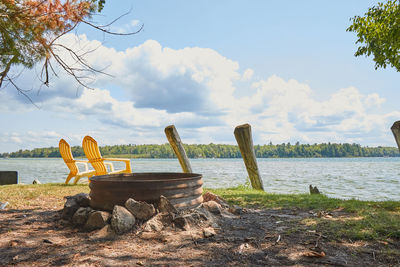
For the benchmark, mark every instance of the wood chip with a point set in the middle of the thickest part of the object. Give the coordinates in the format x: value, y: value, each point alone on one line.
x: 314, y: 254
x: 279, y: 239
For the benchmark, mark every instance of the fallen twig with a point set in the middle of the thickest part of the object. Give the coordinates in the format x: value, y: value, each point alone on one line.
x: 317, y: 242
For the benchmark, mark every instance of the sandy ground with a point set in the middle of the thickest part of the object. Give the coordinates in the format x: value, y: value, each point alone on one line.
x: 37, y: 237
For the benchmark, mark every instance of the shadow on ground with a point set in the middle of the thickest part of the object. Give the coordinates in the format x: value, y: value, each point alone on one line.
x: 268, y: 237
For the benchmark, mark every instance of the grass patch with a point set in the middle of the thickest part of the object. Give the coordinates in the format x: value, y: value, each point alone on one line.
x: 361, y: 220
x: 39, y: 195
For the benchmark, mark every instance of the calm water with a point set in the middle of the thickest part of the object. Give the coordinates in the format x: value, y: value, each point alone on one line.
x: 362, y: 178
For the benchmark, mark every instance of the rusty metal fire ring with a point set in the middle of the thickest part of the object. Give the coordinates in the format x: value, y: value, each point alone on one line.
x: 184, y: 190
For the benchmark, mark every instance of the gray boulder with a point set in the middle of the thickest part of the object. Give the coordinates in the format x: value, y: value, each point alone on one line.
x: 73, y: 203
x: 141, y: 210
x: 70, y: 207
x: 165, y: 206
x: 81, y: 215
x: 213, y: 207
x: 235, y: 210
x: 122, y: 220
x: 157, y: 223
x: 183, y: 222
x: 97, y: 220
x: 83, y: 199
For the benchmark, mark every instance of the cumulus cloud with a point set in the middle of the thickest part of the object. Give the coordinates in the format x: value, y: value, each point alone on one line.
x: 29, y: 139
x: 194, y: 88
x: 248, y: 74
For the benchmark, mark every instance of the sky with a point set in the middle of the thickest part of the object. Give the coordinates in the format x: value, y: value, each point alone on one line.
x: 285, y: 67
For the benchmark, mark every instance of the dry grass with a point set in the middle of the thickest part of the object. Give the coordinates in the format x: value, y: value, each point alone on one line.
x: 49, y: 196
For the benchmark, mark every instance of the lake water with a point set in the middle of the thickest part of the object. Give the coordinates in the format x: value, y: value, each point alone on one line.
x: 361, y: 178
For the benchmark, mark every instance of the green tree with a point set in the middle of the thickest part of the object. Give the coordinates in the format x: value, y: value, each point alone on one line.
x: 378, y: 33
x: 29, y: 31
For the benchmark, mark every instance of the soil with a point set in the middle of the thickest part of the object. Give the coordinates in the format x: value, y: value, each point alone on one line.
x: 37, y: 237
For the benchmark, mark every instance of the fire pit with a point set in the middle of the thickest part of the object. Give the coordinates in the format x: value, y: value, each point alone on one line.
x: 183, y: 190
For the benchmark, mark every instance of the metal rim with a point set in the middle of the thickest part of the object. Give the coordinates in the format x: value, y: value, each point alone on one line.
x: 121, y: 176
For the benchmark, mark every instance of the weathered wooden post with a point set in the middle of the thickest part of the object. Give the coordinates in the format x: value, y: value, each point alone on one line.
x: 245, y: 141
x: 396, y: 132
x: 176, y: 144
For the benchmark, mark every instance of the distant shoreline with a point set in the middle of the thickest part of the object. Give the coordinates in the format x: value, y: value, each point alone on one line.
x: 324, y: 150
x: 133, y: 157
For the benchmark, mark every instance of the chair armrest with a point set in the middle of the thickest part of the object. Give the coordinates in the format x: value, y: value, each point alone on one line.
x: 117, y: 159
x: 85, y: 163
x: 81, y: 161
x: 110, y: 165
x: 127, y: 162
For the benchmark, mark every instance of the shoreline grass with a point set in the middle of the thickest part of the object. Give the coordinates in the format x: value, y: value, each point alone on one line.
x: 365, y: 220
x: 359, y: 220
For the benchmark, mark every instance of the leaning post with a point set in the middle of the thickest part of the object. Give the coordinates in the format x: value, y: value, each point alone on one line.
x: 396, y: 132
x: 245, y: 142
x: 176, y: 144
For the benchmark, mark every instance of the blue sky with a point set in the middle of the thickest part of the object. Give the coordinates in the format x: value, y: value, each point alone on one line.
x: 285, y: 67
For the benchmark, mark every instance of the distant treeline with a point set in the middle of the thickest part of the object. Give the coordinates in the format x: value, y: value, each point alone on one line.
x: 221, y: 151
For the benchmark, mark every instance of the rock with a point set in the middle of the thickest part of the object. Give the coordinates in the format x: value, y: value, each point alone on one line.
x: 97, y: 220
x: 235, y: 210
x: 83, y: 199
x: 73, y: 203
x: 122, y: 220
x: 208, y: 232
x: 197, y: 217
x: 213, y: 207
x: 70, y: 207
x: 141, y: 210
x: 314, y: 190
x: 36, y: 181
x: 81, y: 215
x: 157, y: 223
x: 165, y: 206
x: 104, y: 233
x: 182, y: 222
x: 201, y: 213
x: 208, y: 196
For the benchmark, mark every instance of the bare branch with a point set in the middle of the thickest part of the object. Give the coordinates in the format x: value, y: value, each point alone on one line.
x: 22, y: 92
x: 100, y: 28
x: 36, y: 40
x: 7, y: 69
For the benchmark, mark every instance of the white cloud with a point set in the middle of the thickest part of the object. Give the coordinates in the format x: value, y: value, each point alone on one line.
x: 28, y: 139
x: 248, y: 74
x: 193, y: 88
x: 373, y: 100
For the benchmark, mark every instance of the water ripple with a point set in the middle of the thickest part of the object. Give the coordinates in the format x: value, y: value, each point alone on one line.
x: 360, y: 178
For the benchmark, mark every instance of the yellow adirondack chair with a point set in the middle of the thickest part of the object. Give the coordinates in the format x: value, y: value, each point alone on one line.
x: 92, y: 152
x: 66, y: 154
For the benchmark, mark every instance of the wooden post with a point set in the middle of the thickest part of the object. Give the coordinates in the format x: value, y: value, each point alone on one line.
x: 245, y: 142
x: 396, y: 132
x: 176, y: 144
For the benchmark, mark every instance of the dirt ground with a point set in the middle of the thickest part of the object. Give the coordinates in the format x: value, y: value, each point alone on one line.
x: 37, y: 237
